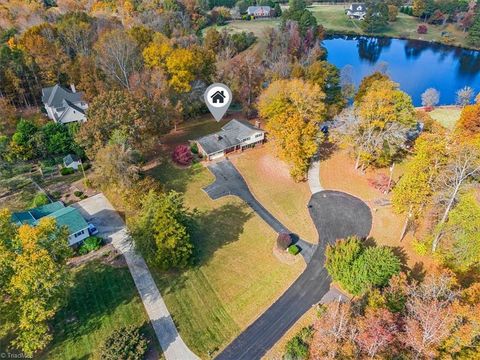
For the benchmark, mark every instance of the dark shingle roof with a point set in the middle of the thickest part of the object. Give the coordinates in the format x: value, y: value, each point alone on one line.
x: 53, y: 96
x: 70, y: 158
x: 231, y: 135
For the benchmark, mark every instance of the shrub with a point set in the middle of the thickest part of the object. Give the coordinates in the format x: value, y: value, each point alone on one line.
x: 293, y: 249
x: 422, y: 29
x: 90, y: 244
x: 182, y: 155
x: 421, y: 247
x: 126, y: 343
x: 78, y: 193
x: 284, y: 240
x: 357, y: 268
x: 380, y: 182
x: 66, y: 171
x: 297, y: 347
x: 194, y: 148
x: 39, y: 200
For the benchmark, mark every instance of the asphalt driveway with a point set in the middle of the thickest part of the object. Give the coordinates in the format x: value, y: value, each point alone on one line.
x: 336, y: 215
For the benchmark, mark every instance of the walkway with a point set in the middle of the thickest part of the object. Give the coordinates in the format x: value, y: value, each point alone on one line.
x: 98, y: 210
x: 314, y: 175
x: 336, y: 215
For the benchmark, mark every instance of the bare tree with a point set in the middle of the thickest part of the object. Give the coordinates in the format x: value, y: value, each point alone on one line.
x: 367, y: 142
x: 430, y: 315
x: 118, y: 56
x: 464, y: 96
x: 463, y: 164
x: 332, y: 329
x: 430, y: 97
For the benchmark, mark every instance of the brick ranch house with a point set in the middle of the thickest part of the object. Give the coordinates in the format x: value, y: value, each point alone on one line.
x: 236, y: 135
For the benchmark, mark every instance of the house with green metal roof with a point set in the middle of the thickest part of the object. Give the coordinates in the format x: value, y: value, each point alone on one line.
x: 66, y: 216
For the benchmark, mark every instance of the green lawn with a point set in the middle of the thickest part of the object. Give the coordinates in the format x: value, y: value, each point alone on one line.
x: 103, y: 298
x: 447, y: 116
x: 235, y: 277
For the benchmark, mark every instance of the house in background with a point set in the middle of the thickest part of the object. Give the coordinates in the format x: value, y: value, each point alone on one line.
x: 236, y: 135
x: 64, y: 215
x: 260, y: 11
x: 63, y: 105
x: 72, y: 161
x: 356, y: 11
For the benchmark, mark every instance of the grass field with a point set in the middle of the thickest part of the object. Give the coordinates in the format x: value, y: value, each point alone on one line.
x: 235, y: 277
x: 103, y: 298
x: 333, y: 19
x: 447, y: 116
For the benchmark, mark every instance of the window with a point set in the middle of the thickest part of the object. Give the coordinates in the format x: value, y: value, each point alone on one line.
x: 79, y: 233
x: 258, y: 135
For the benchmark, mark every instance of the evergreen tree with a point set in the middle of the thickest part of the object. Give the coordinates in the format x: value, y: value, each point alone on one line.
x: 474, y: 32
x: 161, y: 231
x: 376, y: 17
x: 278, y: 10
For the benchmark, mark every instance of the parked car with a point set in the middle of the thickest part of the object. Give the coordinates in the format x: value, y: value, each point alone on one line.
x: 92, y: 230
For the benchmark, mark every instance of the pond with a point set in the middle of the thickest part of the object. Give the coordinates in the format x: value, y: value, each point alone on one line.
x: 415, y: 65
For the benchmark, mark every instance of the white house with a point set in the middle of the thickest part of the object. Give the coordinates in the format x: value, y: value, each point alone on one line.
x: 356, y: 11
x: 64, y: 106
x: 237, y: 135
x: 259, y: 11
x: 68, y: 217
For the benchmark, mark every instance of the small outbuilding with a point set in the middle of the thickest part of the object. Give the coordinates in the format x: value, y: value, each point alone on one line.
x: 72, y: 161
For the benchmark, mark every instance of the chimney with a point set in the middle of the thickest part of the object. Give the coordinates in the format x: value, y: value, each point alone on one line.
x: 72, y: 87
x: 257, y: 124
x: 218, y: 137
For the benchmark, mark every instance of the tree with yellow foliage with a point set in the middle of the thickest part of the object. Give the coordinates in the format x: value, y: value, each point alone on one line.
x: 293, y: 109
x: 182, y: 65
x: 33, y: 279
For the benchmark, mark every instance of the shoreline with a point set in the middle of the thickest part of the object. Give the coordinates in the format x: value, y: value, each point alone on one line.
x: 335, y: 33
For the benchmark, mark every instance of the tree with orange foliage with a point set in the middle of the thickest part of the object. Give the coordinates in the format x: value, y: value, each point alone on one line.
x: 468, y: 125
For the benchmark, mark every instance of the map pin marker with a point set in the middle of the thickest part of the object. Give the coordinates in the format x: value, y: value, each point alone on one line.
x: 218, y: 98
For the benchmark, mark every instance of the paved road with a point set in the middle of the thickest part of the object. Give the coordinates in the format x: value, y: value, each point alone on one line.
x: 336, y: 215
x: 98, y: 210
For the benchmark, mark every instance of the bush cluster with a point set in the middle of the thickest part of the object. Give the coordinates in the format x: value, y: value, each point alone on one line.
x: 358, y: 268
x: 66, y: 171
x: 126, y: 343
x: 90, y: 244
x: 297, y: 347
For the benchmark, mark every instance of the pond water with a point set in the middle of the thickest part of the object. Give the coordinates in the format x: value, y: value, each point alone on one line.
x: 415, y: 65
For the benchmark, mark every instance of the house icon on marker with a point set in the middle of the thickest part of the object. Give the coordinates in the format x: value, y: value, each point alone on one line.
x: 218, y: 97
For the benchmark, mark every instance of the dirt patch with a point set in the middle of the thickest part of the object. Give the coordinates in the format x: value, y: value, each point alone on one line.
x: 271, y: 166
x: 284, y: 257
x: 107, y: 254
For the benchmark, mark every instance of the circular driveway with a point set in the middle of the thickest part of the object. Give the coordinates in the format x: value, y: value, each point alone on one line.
x: 338, y: 215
